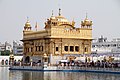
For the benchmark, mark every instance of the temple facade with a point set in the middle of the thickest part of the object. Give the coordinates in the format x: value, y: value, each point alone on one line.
x: 60, y: 40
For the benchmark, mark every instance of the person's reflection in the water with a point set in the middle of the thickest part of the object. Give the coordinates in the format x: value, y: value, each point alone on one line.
x: 33, y: 75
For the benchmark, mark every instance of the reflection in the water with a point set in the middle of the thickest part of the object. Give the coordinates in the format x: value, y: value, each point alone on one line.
x: 28, y: 75
x: 32, y: 76
x: 5, y: 74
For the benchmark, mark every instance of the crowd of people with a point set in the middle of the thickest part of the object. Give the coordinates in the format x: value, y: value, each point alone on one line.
x: 101, y: 64
x: 5, y: 62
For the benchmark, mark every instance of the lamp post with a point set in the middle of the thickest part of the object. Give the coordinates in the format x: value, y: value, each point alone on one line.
x: 45, y: 59
x: 11, y: 59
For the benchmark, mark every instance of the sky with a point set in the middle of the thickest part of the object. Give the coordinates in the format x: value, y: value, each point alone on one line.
x: 105, y: 15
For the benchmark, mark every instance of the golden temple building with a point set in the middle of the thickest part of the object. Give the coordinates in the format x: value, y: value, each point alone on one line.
x: 59, y: 40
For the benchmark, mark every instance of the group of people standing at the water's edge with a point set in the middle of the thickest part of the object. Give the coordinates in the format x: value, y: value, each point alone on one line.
x: 4, y: 62
x: 101, y: 64
x: 8, y: 62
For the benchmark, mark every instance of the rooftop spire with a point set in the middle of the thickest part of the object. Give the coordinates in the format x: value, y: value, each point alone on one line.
x: 59, y: 12
x: 86, y: 15
x: 52, y: 12
x: 73, y: 22
x: 36, y: 26
x: 27, y: 19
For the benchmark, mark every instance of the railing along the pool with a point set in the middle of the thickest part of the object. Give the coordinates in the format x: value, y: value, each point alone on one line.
x: 110, y: 69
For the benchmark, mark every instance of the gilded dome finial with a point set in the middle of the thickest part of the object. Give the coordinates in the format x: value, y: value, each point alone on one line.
x: 59, y: 12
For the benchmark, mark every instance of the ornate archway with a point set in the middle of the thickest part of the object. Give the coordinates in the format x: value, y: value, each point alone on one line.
x: 27, y: 59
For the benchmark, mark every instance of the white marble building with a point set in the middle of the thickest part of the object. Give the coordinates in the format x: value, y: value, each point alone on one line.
x: 17, y: 48
x: 101, y: 45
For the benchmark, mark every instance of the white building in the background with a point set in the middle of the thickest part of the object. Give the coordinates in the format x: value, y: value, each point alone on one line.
x: 2, y: 47
x: 101, y: 45
x: 6, y: 46
x: 17, y: 48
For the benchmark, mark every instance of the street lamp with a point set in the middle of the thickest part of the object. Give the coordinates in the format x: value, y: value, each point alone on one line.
x: 11, y: 59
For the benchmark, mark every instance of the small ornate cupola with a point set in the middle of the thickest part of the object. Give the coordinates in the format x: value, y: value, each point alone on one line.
x: 86, y: 23
x: 27, y: 26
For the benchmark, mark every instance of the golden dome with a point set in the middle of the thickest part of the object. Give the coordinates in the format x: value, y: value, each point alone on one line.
x: 61, y: 19
x: 58, y: 18
x: 27, y: 24
x: 11, y: 56
x: 86, y: 22
x: 57, y: 21
x: 45, y: 55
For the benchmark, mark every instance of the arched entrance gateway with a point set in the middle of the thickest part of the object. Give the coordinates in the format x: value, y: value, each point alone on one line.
x: 27, y: 59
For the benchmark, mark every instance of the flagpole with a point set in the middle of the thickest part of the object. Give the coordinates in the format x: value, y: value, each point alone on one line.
x: 36, y: 26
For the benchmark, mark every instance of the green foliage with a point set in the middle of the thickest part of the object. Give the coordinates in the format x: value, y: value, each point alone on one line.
x: 5, y: 53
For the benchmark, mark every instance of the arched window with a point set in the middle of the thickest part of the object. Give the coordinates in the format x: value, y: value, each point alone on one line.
x: 86, y: 50
x: 27, y: 59
x: 66, y: 48
x: 71, y: 48
x: 77, y: 48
